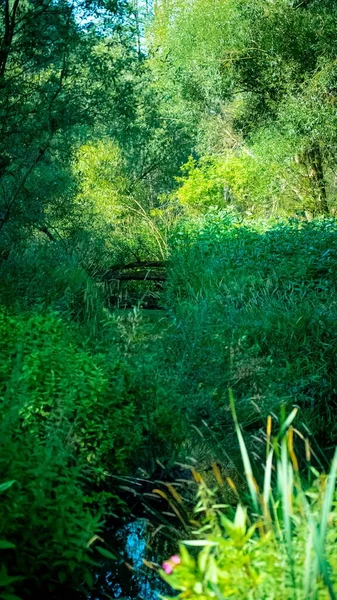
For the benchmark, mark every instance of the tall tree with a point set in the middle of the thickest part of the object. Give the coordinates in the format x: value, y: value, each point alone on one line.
x: 62, y: 71
x: 254, y: 65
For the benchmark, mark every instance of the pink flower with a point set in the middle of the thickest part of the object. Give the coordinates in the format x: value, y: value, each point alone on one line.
x: 170, y: 564
x: 167, y: 568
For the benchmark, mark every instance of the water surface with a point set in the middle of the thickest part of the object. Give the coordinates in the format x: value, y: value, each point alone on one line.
x: 128, y: 578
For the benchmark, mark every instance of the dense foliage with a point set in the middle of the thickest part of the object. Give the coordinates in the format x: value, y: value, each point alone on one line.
x: 73, y: 418
x: 167, y: 232
x: 254, y: 307
x: 257, y: 78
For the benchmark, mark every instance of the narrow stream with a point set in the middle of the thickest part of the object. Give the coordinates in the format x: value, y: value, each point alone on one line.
x: 128, y: 578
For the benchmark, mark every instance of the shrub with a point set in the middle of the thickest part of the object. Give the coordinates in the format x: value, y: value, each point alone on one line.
x: 72, y: 418
x: 263, y: 180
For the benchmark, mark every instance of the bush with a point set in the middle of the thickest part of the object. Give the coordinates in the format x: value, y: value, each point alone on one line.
x: 264, y: 180
x: 72, y: 418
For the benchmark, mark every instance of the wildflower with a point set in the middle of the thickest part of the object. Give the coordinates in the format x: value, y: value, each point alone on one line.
x: 167, y: 568
x: 170, y: 564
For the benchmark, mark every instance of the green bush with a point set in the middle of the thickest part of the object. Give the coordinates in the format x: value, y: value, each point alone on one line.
x: 72, y: 418
x: 263, y: 180
x: 51, y: 277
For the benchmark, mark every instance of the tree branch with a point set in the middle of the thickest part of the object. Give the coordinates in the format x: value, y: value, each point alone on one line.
x: 21, y: 184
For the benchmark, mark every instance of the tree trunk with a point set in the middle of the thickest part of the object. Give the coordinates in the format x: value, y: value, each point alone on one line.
x: 9, y: 27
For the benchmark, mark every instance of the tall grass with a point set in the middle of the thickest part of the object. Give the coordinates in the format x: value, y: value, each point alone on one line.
x: 280, y: 543
x: 86, y: 394
x: 253, y: 308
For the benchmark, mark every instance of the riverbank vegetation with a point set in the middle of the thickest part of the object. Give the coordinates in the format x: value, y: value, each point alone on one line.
x: 167, y: 233
x: 282, y: 545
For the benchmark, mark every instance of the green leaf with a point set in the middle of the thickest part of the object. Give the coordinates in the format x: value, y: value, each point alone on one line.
x: 203, y: 558
x: 328, y: 499
x: 267, y: 478
x: 231, y: 529
x: 217, y: 591
x: 185, y: 556
x: 87, y: 576
x: 287, y: 423
x: 62, y: 577
x: 6, y: 580
x: 212, y: 572
x: 310, y: 563
x: 5, y: 545
x: 106, y: 553
x: 240, y: 518
x: 244, y: 454
x: 321, y: 534
x: 5, y: 486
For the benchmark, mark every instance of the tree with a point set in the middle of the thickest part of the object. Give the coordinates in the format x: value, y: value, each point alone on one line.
x: 62, y: 75
x: 249, y: 66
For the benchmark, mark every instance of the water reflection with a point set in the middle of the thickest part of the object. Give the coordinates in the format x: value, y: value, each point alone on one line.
x: 129, y: 578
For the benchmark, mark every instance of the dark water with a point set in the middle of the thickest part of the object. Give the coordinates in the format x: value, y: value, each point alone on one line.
x: 128, y: 578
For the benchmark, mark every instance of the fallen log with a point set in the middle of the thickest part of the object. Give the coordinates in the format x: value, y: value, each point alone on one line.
x: 136, y: 271
x: 139, y: 276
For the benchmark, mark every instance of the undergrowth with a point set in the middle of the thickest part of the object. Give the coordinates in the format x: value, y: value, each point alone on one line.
x: 72, y: 419
x: 279, y: 544
x: 253, y: 307
x: 88, y: 395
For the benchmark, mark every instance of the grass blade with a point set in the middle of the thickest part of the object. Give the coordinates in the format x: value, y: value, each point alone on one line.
x: 285, y: 426
x: 267, y: 478
x: 245, y: 457
x: 328, y: 500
